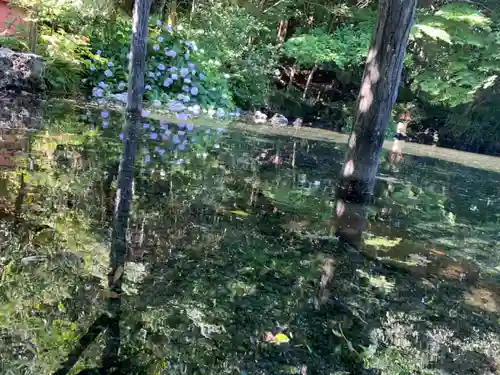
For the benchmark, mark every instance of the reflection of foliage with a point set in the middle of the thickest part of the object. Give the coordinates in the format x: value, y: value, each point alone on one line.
x: 206, y: 285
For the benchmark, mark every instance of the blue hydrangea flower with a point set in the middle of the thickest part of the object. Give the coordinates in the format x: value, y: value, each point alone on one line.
x: 122, y: 137
x: 182, y: 146
x: 147, y: 158
x: 179, y: 161
x: 186, y: 56
x: 154, y: 136
x: 194, y: 91
x: 176, y: 139
x: 187, y: 80
x: 145, y: 113
x: 172, y: 69
x: 102, y: 84
x: 174, y: 76
x: 147, y: 87
x: 186, y: 98
x: 121, y: 85
x: 110, y: 64
x: 185, y: 88
x: 184, y: 72
x: 189, y: 127
x: 156, y: 47
x: 97, y: 92
x: 161, y: 67
x: 145, y: 126
x: 161, y: 151
x: 92, y: 68
x: 159, y: 23
x: 181, y: 125
x: 104, y: 114
x: 160, y: 39
x: 191, y: 65
x: 98, y: 52
x: 168, y: 28
x: 105, y: 124
x: 182, y: 116
x: 151, y: 74
x: 168, y: 82
x: 201, y: 75
x: 171, y: 53
x: 193, y: 139
x: 108, y: 73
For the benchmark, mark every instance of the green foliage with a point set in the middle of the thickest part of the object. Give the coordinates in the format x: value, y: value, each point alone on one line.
x: 346, y: 47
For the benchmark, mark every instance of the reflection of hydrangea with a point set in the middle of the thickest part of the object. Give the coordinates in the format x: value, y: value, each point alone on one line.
x: 97, y: 92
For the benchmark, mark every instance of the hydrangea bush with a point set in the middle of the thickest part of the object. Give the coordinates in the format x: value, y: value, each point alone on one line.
x: 176, y: 78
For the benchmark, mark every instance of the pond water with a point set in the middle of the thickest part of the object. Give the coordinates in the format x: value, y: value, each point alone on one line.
x: 232, y: 268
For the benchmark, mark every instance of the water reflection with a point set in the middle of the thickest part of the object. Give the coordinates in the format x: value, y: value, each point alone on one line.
x: 230, y: 247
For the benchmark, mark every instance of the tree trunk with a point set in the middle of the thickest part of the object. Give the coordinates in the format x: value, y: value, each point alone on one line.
x: 377, y: 95
x: 133, y: 112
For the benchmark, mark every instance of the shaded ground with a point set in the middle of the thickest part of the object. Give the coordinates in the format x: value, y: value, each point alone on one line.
x: 232, y: 247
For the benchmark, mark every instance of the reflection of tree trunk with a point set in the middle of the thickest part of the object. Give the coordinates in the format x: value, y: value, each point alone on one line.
x: 396, y: 153
x: 309, y: 79
x: 21, y: 195
x: 377, y: 95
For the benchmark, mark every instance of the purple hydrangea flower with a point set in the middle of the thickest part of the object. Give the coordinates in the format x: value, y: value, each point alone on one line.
x: 147, y: 87
x: 181, y: 125
x: 110, y: 64
x: 194, y: 91
x: 161, y: 67
x: 97, y: 92
x: 191, y: 65
x: 176, y: 139
x: 185, y: 88
x: 122, y: 137
x: 159, y: 23
x: 201, y: 75
x: 168, y: 82
x: 174, y: 76
x: 168, y: 28
x: 186, y: 98
x: 102, y: 84
x: 145, y: 126
x: 172, y: 69
x: 104, y: 114
x: 156, y: 47
x: 182, y: 116
x: 108, y: 73
x: 154, y: 136
x: 147, y: 158
x: 105, y: 124
x: 184, y: 72
x: 182, y: 146
x: 187, y: 80
x: 189, y: 127
x: 171, y: 53
x: 98, y: 52
x: 121, y: 85
x: 161, y: 151
x: 151, y: 74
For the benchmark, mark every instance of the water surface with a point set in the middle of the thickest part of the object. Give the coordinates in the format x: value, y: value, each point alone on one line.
x: 230, y: 244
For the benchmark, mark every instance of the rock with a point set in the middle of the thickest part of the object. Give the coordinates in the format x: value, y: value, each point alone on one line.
x: 259, y: 118
x: 297, y: 123
x: 20, y: 111
x: 20, y: 71
x: 279, y: 120
x: 119, y: 98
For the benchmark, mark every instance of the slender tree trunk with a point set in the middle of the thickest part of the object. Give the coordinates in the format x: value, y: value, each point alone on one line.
x: 377, y: 95
x: 309, y: 80
x: 172, y: 12
x: 118, y: 252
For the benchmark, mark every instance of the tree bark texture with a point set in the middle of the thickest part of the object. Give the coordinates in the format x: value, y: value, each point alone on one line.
x: 133, y: 116
x: 377, y: 95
